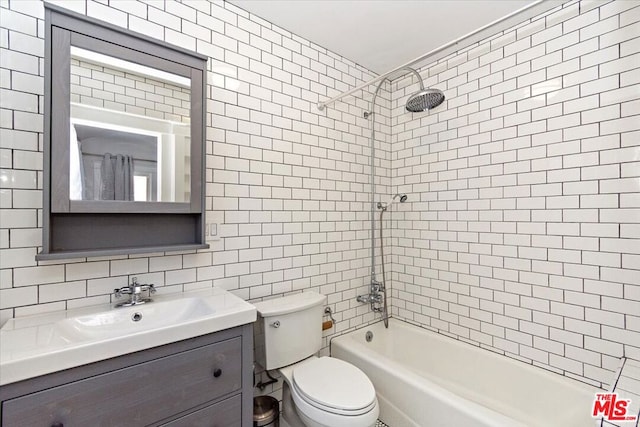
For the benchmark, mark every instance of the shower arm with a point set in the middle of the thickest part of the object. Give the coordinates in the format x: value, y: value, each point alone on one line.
x: 382, y: 77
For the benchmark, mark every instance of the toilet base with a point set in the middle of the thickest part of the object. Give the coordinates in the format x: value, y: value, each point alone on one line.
x: 289, y: 413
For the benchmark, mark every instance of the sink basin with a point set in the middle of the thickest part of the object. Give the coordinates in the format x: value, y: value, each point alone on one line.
x: 36, y: 345
x: 131, y: 320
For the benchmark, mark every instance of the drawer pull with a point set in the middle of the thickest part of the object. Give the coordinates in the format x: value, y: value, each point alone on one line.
x: 217, y: 372
x: 57, y: 425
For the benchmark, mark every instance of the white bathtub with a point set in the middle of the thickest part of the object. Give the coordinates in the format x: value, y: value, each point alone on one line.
x: 424, y: 379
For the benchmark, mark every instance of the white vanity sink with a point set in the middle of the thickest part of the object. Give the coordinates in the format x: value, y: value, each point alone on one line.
x: 37, y: 345
x: 130, y: 320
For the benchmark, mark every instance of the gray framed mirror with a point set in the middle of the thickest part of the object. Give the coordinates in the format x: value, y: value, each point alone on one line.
x: 124, y: 140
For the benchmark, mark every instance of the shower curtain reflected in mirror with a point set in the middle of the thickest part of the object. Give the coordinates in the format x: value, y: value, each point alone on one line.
x: 113, y: 182
x: 116, y: 177
x: 76, y: 179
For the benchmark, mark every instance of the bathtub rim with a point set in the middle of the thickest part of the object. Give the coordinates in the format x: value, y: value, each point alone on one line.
x: 463, y: 343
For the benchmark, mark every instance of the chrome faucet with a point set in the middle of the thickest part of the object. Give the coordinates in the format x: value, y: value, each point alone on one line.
x: 374, y: 297
x: 134, y: 290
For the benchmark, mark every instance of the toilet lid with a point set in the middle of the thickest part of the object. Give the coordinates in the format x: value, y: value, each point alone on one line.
x: 333, y: 383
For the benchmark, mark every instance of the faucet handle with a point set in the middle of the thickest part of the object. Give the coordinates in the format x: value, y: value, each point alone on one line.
x: 120, y: 291
x: 151, y: 288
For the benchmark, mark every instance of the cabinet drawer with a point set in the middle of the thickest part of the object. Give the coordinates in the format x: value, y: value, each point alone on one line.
x: 227, y: 413
x: 137, y: 395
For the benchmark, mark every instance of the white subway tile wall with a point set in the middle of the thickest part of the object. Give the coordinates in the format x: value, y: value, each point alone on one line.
x: 288, y: 184
x: 521, y: 231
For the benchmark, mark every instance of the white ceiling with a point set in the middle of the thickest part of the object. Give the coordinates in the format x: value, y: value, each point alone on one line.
x: 380, y: 34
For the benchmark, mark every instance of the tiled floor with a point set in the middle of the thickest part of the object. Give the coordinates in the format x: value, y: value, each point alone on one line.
x: 379, y: 423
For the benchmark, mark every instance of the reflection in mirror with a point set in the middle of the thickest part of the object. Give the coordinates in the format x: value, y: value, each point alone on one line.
x: 129, y: 131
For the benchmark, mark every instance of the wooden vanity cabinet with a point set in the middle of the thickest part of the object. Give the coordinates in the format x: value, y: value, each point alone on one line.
x: 203, y: 381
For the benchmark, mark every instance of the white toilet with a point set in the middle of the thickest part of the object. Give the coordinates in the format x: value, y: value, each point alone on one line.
x: 317, y: 391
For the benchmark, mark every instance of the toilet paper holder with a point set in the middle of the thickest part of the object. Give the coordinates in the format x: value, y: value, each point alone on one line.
x: 329, y: 323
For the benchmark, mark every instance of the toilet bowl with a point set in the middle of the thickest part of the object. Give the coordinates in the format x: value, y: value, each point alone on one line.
x: 327, y: 392
x: 317, y: 391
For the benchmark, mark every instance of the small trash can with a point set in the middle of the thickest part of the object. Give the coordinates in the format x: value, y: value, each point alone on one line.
x: 266, y: 412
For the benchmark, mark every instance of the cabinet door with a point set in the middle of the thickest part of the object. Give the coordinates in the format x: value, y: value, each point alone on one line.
x: 227, y: 413
x: 135, y: 396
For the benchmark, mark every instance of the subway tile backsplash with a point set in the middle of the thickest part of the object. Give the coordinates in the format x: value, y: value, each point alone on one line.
x: 521, y: 233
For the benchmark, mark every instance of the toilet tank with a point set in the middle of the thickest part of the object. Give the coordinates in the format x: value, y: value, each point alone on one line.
x: 289, y: 329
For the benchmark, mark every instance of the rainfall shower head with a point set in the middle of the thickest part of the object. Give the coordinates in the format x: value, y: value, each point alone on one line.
x: 424, y: 100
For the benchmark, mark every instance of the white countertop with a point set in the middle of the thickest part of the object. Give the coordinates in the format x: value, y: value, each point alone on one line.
x: 37, y: 345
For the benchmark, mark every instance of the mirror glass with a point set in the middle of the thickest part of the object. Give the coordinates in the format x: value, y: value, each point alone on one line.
x: 129, y: 131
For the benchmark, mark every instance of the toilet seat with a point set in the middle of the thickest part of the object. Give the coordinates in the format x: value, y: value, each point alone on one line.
x: 334, y: 386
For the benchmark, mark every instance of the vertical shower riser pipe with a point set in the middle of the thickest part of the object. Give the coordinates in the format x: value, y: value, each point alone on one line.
x: 373, y: 167
x: 373, y: 182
